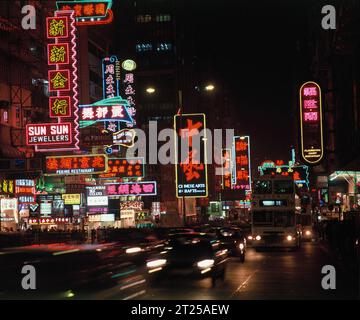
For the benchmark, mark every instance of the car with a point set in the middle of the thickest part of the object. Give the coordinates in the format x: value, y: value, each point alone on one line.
x: 234, y: 240
x: 191, y: 255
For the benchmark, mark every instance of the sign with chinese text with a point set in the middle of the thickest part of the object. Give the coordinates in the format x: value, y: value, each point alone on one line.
x: 105, y: 110
x: 9, y: 209
x: 241, y: 178
x: 124, y: 168
x: 124, y: 137
x: 128, y: 89
x: 6, y: 186
x: 45, y: 209
x: 111, y: 86
x: 88, y: 12
x: 59, y: 107
x: 226, y: 169
x: 141, y: 188
x: 191, y: 167
x: 62, y: 79
x: 312, y: 145
x: 300, y: 174
x: 84, y: 164
x: 48, y: 134
x: 71, y: 198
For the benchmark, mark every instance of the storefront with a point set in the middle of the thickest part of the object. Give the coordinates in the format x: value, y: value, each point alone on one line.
x: 9, y: 217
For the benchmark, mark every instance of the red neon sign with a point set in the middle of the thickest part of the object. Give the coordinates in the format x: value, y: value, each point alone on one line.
x: 59, y: 165
x: 57, y: 27
x: 48, y: 134
x: 58, y: 53
x: 59, y: 107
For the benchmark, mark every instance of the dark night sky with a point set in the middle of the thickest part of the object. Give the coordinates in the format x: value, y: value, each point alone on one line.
x: 250, y: 46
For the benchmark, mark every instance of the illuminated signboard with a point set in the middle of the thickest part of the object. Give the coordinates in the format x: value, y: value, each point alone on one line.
x: 300, y: 174
x: 105, y: 110
x: 241, y: 178
x: 191, y: 167
x: 88, y: 12
x: 48, y: 220
x: 141, y: 188
x: 111, y: 86
x: 226, y: 169
x: 9, y: 209
x: 45, y: 209
x: 128, y: 86
x: 48, y: 134
x: 84, y: 164
x: 71, y: 198
x: 25, y: 190
x: 124, y: 137
x: 97, y: 196
x: 62, y: 135
x: 6, y: 186
x: 312, y: 145
x: 124, y: 168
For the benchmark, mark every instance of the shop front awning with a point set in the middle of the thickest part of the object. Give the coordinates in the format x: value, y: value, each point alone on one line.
x: 349, y: 171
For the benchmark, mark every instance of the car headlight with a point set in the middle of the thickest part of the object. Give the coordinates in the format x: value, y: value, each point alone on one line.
x: 250, y: 237
x: 307, y: 232
x: 289, y: 238
x: 156, y: 263
x: 133, y: 250
x: 241, y: 246
x: 207, y: 263
x: 258, y: 238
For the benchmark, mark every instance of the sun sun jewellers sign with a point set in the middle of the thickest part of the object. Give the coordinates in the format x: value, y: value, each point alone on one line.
x: 48, y: 134
x: 62, y: 134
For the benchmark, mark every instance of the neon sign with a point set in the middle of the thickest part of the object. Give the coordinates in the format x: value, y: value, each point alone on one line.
x: 89, y: 12
x: 241, y: 170
x: 226, y: 169
x: 125, y: 168
x: 191, y: 168
x: 111, y: 85
x: 128, y: 86
x: 312, y: 148
x: 105, y: 110
x: 62, y: 77
x: 141, y: 188
x: 48, y: 134
x: 85, y: 164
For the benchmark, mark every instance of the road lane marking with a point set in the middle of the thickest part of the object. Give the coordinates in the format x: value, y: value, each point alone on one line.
x: 243, y: 285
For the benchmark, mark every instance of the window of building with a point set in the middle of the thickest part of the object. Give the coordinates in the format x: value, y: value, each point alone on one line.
x: 5, y: 116
x: 164, y: 46
x: 163, y: 18
x: 143, y: 47
x: 143, y: 18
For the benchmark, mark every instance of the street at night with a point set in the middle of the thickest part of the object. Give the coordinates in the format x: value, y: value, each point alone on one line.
x: 203, y: 150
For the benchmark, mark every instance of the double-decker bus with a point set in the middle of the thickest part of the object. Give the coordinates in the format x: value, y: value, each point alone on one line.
x: 274, y: 213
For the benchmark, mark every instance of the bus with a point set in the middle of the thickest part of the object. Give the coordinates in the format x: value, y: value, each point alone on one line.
x: 275, y: 212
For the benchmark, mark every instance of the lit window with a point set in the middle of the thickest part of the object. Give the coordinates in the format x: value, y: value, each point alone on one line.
x: 143, y: 18
x: 163, y: 18
x: 143, y: 47
x: 164, y: 47
x: 5, y: 116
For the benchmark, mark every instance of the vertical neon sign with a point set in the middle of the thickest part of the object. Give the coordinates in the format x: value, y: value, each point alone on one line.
x: 241, y: 178
x: 311, y: 135
x: 62, y: 76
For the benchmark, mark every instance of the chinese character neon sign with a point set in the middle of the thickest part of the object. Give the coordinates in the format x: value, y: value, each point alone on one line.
x: 86, y: 164
x: 312, y: 148
x: 105, y: 110
x: 241, y: 178
x: 226, y: 169
x: 62, y: 135
x: 89, y: 12
x: 190, y: 168
x: 141, y: 188
x: 125, y: 168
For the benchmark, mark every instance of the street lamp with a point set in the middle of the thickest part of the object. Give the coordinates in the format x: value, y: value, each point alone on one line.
x: 150, y: 90
x: 210, y: 87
